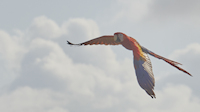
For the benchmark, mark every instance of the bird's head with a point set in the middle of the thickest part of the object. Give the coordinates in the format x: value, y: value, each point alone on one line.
x: 118, y: 37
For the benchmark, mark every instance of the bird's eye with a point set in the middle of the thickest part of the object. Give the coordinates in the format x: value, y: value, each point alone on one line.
x: 115, y: 37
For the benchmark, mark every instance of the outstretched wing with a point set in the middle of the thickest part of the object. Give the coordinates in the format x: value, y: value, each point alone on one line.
x: 106, y: 40
x: 144, y: 73
x: 173, y: 63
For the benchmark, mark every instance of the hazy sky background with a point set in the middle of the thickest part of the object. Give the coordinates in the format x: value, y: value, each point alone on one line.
x: 41, y: 73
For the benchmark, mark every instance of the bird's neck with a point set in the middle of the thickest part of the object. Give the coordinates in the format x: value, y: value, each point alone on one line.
x: 131, y: 44
x: 136, y: 48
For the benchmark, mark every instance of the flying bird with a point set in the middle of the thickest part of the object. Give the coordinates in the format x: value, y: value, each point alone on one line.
x: 142, y: 63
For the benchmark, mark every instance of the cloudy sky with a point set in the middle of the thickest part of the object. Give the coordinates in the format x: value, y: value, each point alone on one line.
x: 41, y: 73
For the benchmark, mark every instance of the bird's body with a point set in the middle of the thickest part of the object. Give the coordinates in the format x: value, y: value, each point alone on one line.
x: 142, y: 63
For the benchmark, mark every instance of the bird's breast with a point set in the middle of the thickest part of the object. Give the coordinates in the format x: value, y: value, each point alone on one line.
x: 127, y: 44
x: 132, y: 44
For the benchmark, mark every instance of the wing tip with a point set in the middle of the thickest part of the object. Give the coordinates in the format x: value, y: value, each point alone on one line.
x: 151, y: 94
x: 69, y: 43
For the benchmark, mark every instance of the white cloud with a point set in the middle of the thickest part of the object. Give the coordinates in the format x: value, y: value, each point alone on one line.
x: 155, y: 11
x: 172, y: 98
x: 11, y: 54
x: 190, y: 50
x: 189, y: 56
x: 10, y: 49
x: 26, y: 99
x: 106, y: 102
x: 87, y: 29
x: 182, y: 10
x: 132, y: 10
x: 45, y: 28
x: 57, y: 77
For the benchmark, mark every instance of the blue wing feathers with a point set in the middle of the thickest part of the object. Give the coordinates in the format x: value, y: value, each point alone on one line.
x: 144, y: 73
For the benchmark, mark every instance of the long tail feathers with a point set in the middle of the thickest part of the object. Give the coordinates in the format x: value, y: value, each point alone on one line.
x: 171, y: 62
x: 177, y: 67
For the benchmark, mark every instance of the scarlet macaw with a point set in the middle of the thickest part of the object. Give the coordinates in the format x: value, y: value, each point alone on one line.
x: 142, y: 63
